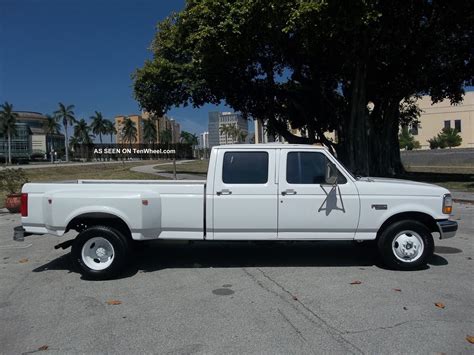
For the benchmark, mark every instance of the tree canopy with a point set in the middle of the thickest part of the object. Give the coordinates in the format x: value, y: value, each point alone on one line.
x: 314, y: 65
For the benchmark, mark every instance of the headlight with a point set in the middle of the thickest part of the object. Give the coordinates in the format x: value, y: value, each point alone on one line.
x: 447, y: 204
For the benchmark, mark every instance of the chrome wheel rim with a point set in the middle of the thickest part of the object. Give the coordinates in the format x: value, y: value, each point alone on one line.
x: 98, y: 253
x: 407, y: 246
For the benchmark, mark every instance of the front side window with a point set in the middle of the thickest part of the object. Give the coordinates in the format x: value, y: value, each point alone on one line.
x: 311, y: 168
x: 245, y: 168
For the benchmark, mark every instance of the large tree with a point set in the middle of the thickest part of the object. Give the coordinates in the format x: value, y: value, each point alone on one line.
x: 8, y: 125
x: 51, y: 127
x: 150, y: 133
x: 110, y: 129
x: 188, y: 138
x: 314, y: 65
x: 129, y: 131
x: 99, y: 124
x: 82, y: 132
x: 65, y: 113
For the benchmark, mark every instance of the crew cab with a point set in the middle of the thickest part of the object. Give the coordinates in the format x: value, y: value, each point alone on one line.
x: 274, y: 192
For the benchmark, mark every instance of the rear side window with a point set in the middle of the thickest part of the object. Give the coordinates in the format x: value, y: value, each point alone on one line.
x: 245, y: 168
x: 310, y: 168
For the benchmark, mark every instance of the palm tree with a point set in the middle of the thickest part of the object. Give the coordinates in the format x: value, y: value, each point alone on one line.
x: 149, y: 131
x: 110, y: 129
x: 242, y: 136
x: 8, y: 125
x: 66, y: 114
x: 194, y: 140
x: 82, y: 132
x: 451, y: 137
x: 225, y: 129
x: 189, y: 138
x: 129, y: 131
x: 165, y: 136
x: 234, y: 132
x: 51, y: 127
x: 99, y: 125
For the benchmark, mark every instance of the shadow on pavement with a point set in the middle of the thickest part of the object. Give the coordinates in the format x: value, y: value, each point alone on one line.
x: 159, y: 255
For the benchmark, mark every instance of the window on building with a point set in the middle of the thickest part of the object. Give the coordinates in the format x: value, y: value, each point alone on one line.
x: 309, y: 168
x: 245, y: 168
x: 447, y: 124
x: 414, y: 129
x: 457, y: 125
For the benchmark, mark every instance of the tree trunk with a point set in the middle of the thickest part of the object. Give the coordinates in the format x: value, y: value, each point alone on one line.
x: 384, y: 147
x: 356, y: 125
x: 66, y: 141
x: 51, y: 148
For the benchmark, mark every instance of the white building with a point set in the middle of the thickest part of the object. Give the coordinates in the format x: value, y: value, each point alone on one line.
x: 204, y: 140
x: 217, y: 120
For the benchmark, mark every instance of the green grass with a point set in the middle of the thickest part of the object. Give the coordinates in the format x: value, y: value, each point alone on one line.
x: 118, y: 171
x: 198, y: 167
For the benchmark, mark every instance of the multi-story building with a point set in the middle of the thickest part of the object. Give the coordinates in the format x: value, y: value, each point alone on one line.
x: 162, y: 124
x: 217, y: 120
x: 204, y: 140
x: 32, y: 137
x: 175, y: 131
x: 444, y: 115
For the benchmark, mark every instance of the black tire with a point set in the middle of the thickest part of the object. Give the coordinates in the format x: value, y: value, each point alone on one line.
x: 415, y: 229
x: 115, y: 262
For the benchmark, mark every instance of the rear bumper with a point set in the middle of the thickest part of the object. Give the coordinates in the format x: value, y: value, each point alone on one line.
x: 447, y: 228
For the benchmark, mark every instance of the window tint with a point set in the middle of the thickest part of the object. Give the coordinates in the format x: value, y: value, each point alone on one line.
x: 245, y: 168
x: 310, y: 168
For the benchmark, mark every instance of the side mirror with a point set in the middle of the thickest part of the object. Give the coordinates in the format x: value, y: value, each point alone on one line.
x: 331, y: 174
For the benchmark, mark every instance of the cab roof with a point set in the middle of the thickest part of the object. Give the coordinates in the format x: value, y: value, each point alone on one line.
x: 270, y: 145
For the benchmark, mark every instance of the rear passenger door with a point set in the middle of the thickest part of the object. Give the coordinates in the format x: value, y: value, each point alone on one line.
x: 245, y: 195
x: 311, y: 206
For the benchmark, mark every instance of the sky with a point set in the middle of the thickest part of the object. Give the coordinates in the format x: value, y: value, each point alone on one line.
x: 82, y: 52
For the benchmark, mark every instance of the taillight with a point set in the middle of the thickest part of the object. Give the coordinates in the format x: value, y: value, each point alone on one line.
x: 24, y: 205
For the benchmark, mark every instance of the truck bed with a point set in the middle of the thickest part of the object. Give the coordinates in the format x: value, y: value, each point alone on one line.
x: 150, y: 208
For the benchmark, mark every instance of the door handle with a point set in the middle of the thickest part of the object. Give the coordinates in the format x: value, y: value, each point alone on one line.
x: 288, y: 192
x: 224, y: 192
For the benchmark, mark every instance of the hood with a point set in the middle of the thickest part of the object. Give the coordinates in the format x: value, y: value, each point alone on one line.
x: 387, y: 186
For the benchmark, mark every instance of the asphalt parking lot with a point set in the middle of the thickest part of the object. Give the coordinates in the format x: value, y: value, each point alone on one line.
x: 180, y: 298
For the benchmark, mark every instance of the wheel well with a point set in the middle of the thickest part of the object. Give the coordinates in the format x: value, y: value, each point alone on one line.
x: 424, y: 218
x: 86, y: 220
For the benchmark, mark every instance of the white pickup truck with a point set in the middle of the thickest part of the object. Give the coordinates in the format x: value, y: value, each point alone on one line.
x: 277, y: 192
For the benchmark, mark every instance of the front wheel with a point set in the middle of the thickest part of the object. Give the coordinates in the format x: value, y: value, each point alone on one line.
x: 406, y: 245
x: 99, y: 252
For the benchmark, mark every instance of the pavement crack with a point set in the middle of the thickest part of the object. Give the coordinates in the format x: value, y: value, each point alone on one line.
x: 312, y: 317
x: 296, y: 329
x: 400, y: 324
x: 382, y: 328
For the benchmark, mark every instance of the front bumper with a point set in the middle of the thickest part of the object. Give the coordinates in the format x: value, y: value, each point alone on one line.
x: 447, y: 228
